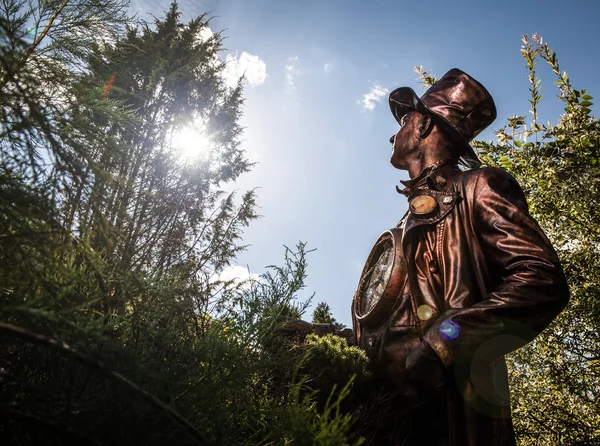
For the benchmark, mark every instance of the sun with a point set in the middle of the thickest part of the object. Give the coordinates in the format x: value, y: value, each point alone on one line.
x: 190, y: 143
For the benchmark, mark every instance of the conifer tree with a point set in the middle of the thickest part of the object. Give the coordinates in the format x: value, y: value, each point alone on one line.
x: 322, y: 315
x: 114, y: 326
x: 145, y: 206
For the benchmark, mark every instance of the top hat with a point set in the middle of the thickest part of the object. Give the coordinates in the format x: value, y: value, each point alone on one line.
x: 460, y: 104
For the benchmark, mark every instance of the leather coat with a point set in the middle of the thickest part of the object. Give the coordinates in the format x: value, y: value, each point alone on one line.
x: 490, y: 281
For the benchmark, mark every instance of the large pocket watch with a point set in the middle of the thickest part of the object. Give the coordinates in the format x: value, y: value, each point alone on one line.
x: 382, y: 279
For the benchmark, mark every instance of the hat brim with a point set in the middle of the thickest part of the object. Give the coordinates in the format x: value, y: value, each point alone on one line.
x: 404, y: 100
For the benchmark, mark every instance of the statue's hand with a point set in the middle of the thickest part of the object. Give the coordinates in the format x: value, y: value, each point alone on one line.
x: 425, y: 369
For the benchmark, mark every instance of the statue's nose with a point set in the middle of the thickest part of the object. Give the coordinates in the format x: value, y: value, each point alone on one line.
x: 392, y: 139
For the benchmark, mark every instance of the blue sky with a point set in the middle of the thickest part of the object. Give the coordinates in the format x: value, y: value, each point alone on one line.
x: 322, y: 151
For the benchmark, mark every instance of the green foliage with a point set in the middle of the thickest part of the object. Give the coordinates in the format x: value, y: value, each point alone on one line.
x: 43, y: 46
x: 425, y: 77
x: 554, y: 380
x: 327, y: 428
x: 327, y: 363
x: 329, y: 392
x: 114, y: 323
x: 115, y: 326
x: 330, y: 362
x: 322, y: 315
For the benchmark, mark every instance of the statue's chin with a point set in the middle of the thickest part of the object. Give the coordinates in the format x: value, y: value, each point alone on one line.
x: 397, y: 164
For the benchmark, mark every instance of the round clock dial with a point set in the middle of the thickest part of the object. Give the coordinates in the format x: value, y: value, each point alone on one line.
x: 378, y: 280
x: 381, y: 280
x: 423, y: 205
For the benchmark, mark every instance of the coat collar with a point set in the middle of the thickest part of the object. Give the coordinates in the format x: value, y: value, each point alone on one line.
x: 435, y: 177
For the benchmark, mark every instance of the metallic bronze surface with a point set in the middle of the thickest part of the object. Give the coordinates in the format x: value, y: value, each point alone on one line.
x: 483, y: 280
x: 423, y: 206
x: 381, y: 280
x: 457, y: 100
x: 479, y: 278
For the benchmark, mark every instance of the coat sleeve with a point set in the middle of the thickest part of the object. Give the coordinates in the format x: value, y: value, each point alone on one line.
x: 529, y: 288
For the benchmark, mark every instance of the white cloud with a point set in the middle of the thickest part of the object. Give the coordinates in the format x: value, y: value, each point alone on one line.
x: 237, y: 273
x: 249, y: 65
x: 291, y: 71
x: 374, y: 96
x: 327, y: 68
x: 252, y: 67
x: 205, y: 34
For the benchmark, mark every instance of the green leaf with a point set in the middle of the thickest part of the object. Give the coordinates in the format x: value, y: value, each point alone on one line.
x: 505, y: 162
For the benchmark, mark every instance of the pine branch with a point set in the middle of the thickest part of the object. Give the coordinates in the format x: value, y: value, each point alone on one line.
x: 45, y: 31
x: 10, y: 74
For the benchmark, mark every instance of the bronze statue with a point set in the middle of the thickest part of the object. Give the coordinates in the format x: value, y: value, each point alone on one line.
x: 466, y: 277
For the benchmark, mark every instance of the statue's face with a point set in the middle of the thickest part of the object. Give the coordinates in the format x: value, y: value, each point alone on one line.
x: 406, y: 143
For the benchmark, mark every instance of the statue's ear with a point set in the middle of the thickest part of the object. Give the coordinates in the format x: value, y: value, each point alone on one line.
x: 425, y: 126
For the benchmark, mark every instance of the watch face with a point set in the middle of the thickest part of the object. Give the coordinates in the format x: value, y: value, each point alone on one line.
x: 423, y: 206
x: 381, y: 280
x: 377, y: 278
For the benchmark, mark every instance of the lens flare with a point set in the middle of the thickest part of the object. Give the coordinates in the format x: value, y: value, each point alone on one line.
x: 108, y: 85
x: 424, y: 312
x: 449, y: 330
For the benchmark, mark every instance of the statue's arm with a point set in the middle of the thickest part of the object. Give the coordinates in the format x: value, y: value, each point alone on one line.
x: 532, y: 289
